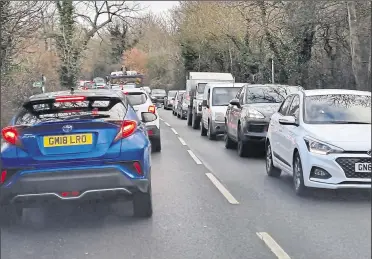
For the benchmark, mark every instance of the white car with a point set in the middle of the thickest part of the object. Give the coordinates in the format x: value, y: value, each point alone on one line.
x: 323, y: 139
x: 141, y: 102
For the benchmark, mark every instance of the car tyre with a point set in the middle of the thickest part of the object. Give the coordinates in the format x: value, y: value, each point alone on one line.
x: 229, y: 144
x: 156, y: 145
x: 189, y: 119
x: 242, y: 146
x: 298, y: 177
x: 211, y: 136
x: 203, y: 131
x: 142, y: 204
x: 271, y: 170
x: 195, y: 122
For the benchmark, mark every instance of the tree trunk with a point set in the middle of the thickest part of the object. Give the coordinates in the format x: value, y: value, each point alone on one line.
x: 360, y: 69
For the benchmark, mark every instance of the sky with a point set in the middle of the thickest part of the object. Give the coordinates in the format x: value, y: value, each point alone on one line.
x: 158, y: 7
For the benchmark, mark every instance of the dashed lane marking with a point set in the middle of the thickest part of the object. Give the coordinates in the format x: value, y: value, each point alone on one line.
x: 222, y: 189
x: 274, y: 247
x: 161, y: 119
x: 174, y: 131
x: 196, y: 159
x: 166, y: 123
x: 182, y: 141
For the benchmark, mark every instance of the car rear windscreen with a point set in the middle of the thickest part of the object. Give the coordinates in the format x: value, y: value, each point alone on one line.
x: 112, y: 109
x: 137, y: 98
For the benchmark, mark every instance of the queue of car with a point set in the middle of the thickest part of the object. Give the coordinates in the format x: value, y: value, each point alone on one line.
x: 322, y: 138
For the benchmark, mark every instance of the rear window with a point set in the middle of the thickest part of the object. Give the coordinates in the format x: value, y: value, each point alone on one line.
x: 112, y: 109
x: 158, y: 91
x: 137, y: 98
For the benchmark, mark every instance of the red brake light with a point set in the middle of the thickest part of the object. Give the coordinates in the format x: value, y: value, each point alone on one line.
x: 3, y: 176
x: 138, y: 168
x: 125, y: 92
x: 128, y: 127
x: 10, y: 134
x: 64, y: 99
x: 152, y: 109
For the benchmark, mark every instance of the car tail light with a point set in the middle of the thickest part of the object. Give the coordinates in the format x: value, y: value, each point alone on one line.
x: 85, y: 88
x: 64, y: 99
x: 3, y: 176
x: 152, y: 109
x: 128, y: 127
x: 138, y: 167
x: 150, y: 133
x: 10, y: 135
x: 125, y: 93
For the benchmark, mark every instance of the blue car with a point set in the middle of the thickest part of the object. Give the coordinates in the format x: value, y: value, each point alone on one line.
x: 82, y: 145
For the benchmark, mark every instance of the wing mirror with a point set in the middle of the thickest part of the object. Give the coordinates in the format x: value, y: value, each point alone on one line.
x: 148, y: 117
x: 288, y: 120
x: 235, y: 102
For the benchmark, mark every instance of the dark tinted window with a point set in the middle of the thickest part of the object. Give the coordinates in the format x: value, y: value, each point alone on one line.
x: 285, y: 105
x: 107, y: 110
x: 221, y: 96
x: 137, y: 98
x: 338, y: 108
x: 269, y: 94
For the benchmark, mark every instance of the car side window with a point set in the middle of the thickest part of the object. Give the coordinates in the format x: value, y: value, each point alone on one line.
x: 285, y: 105
x: 241, y: 96
x: 238, y: 93
x: 294, y: 109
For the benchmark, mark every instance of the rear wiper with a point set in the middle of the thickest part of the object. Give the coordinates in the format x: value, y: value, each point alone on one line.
x: 349, y: 122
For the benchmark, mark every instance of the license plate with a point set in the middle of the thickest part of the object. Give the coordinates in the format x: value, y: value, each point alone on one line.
x: 362, y: 167
x: 68, y: 140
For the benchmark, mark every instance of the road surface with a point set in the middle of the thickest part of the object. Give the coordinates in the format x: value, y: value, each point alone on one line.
x: 208, y: 203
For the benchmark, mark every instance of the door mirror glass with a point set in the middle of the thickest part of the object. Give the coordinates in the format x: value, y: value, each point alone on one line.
x: 148, y: 117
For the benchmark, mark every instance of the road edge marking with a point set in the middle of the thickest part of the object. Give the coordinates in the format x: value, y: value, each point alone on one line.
x: 174, y: 131
x: 274, y: 246
x: 193, y: 156
x: 229, y: 197
x: 182, y: 141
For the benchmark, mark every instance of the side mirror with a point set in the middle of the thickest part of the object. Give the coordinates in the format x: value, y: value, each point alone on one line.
x: 148, y: 117
x: 288, y: 120
x: 235, y: 102
x: 204, y: 103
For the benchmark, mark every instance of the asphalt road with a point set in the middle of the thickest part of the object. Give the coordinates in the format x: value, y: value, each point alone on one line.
x: 208, y: 203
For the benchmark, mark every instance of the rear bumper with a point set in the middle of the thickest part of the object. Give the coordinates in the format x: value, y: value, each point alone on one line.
x: 218, y: 127
x: 86, y: 183
x: 153, y: 131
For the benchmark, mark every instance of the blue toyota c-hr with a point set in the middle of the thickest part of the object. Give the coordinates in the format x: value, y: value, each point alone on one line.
x: 82, y: 145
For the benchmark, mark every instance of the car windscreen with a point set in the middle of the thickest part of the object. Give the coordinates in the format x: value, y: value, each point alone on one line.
x: 221, y: 96
x: 269, y: 94
x: 172, y: 93
x: 136, y: 98
x: 337, y: 109
x: 158, y: 92
x: 104, y: 109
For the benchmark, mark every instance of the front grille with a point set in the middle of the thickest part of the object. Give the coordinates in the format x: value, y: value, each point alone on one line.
x: 257, y: 128
x: 348, y: 165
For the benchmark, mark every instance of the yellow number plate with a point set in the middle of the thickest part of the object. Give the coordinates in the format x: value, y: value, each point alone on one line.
x: 68, y: 140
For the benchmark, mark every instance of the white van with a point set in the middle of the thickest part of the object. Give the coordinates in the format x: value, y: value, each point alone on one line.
x: 216, y: 98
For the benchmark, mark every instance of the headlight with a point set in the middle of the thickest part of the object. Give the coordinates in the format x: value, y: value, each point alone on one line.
x: 219, y: 116
x: 253, y: 114
x: 321, y: 148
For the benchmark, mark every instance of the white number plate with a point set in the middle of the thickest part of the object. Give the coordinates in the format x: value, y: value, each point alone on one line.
x: 362, y: 167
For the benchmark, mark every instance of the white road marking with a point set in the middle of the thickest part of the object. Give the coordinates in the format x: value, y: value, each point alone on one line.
x: 274, y: 247
x: 182, y: 141
x: 166, y: 123
x: 174, y: 131
x: 196, y: 159
x: 222, y: 189
x: 161, y: 119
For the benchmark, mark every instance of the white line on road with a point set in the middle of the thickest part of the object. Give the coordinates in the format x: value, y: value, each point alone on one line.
x: 161, y: 119
x: 222, y: 189
x: 182, y: 141
x: 274, y: 247
x: 196, y: 159
x: 174, y: 131
x: 166, y: 123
